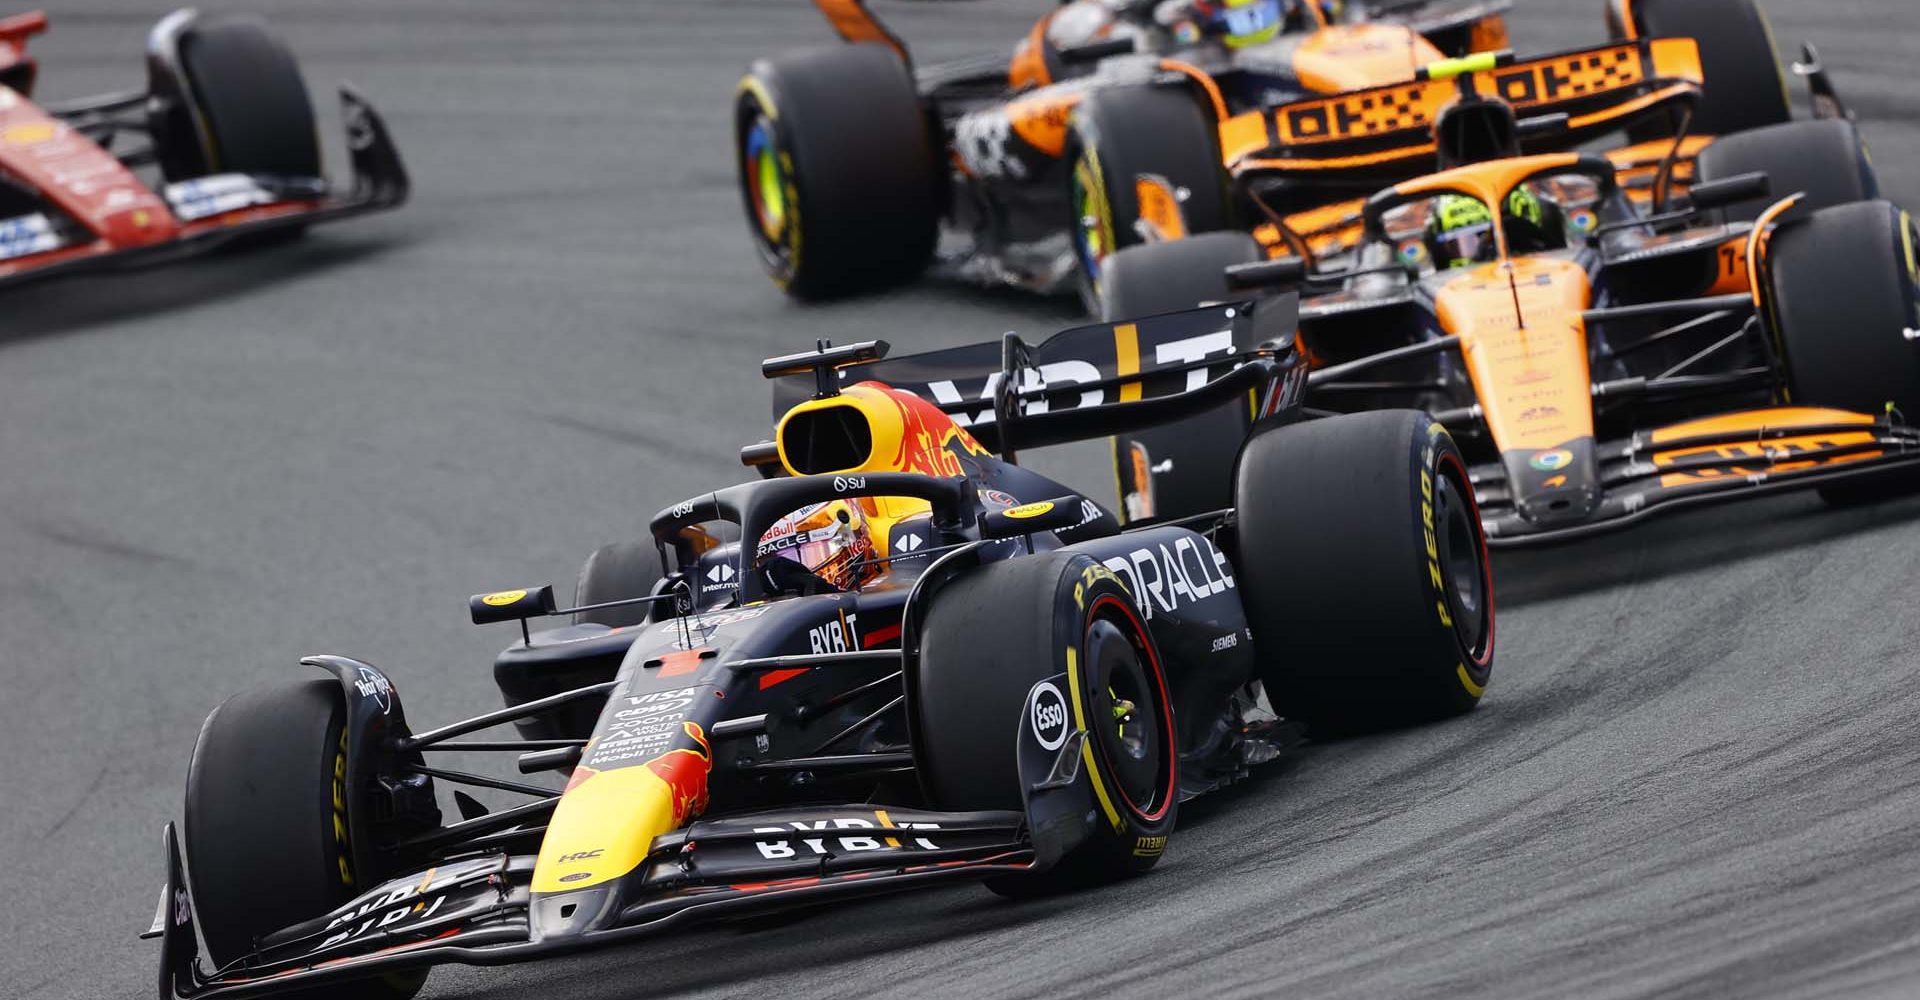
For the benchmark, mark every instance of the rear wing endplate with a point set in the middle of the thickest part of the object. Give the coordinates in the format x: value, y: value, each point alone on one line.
x: 853, y: 22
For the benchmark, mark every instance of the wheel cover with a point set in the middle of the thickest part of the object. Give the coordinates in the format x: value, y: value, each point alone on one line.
x: 1093, y: 218
x: 1126, y: 711
x: 767, y: 186
x: 1462, y: 562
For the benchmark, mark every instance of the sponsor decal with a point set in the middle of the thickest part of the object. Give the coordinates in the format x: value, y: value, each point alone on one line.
x: 998, y: 498
x: 1092, y: 572
x: 1531, y: 376
x: 1061, y: 374
x: 29, y: 133
x: 1149, y: 847
x: 713, y: 621
x: 1028, y: 510
x: 503, y: 598
x: 645, y: 728
x: 579, y: 856
x: 1169, y: 575
x: 1533, y: 413
x: 793, y: 837
x: 721, y: 577
x: 1226, y: 642
x: 910, y: 543
x: 1047, y: 711
x: 576, y: 877
x: 846, y: 484
x: 27, y: 234
x: 1552, y: 461
x: 835, y: 636
x: 401, y: 905
x: 372, y: 684
x: 685, y: 769
x: 682, y: 509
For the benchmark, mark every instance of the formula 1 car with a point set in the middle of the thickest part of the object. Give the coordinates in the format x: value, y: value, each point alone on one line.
x: 1099, y: 132
x: 1603, y: 357
x: 896, y: 658
x: 226, y: 121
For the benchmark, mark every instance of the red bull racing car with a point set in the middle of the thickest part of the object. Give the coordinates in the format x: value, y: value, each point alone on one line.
x: 896, y: 658
x: 224, y: 123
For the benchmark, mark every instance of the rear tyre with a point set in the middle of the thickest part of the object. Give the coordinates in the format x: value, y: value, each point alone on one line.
x: 266, y: 821
x: 618, y: 572
x: 1364, y: 570
x: 1844, y: 292
x: 1745, y: 88
x: 1195, y: 455
x: 246, y: 91
x: 838, y: 171
x: 989, y: 638
x: 1124, y: 141
x: 1825, y: 159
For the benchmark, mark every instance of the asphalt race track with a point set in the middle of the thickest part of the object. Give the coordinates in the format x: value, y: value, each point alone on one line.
x: 1697, y: 773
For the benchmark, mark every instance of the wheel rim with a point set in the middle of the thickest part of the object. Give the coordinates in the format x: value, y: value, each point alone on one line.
x: 1091, y: 229
x: 766, y: 184
x: 1462, y: 562
x: 1124, y: 710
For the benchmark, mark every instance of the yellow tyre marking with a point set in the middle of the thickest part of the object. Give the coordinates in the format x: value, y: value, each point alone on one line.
x: 1466, y: 681
x: 1086, y: 746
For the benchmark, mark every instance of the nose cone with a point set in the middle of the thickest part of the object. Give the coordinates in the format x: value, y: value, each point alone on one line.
x: 1554, y: 485
x: 604, y: 825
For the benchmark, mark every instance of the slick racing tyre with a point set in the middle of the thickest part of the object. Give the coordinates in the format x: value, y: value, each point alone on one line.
x: 1845, y: 290
x: 265, y: 825
x: 1824, y: 159
x: 989, y: 638
x: 1145, y: 166
x: 1364, y: 571
x: 1194, y: 457
x: 1745, y: 88
x: 243, y: 88
x: 838, y: 168
x: 615, y: 573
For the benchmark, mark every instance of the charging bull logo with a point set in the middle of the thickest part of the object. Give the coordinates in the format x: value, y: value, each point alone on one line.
x: 930, y: 443
x: 685, y: 768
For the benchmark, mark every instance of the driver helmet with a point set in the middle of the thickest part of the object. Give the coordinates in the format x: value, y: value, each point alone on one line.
x: 1242, y: 22
x: 1460, y: 232
x: 833, y: 541
x: 1534, y: 224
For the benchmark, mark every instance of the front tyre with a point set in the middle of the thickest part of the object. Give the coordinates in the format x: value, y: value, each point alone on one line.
x: 247, y: 109
x: 618, y: 572
x: 838, y: 170
x: 989, y: 638
x: 265, y: 828
x: 1844, y: 294
x: 1364, y: 569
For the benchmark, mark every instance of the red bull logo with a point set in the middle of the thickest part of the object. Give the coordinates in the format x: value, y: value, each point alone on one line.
x: 685, y: 768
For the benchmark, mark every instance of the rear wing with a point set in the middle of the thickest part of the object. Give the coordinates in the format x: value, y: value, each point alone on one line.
x: 1083, y: 383
x: 1389, y: 129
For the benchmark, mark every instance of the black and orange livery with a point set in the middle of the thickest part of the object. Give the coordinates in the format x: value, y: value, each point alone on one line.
x: 1620, y: 360
x: 1012, y: 142
x: 1020, y: 691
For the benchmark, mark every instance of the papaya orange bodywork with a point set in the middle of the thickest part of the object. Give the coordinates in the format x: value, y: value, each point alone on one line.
x: 1356, y: 56
x: 1527, y: 359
